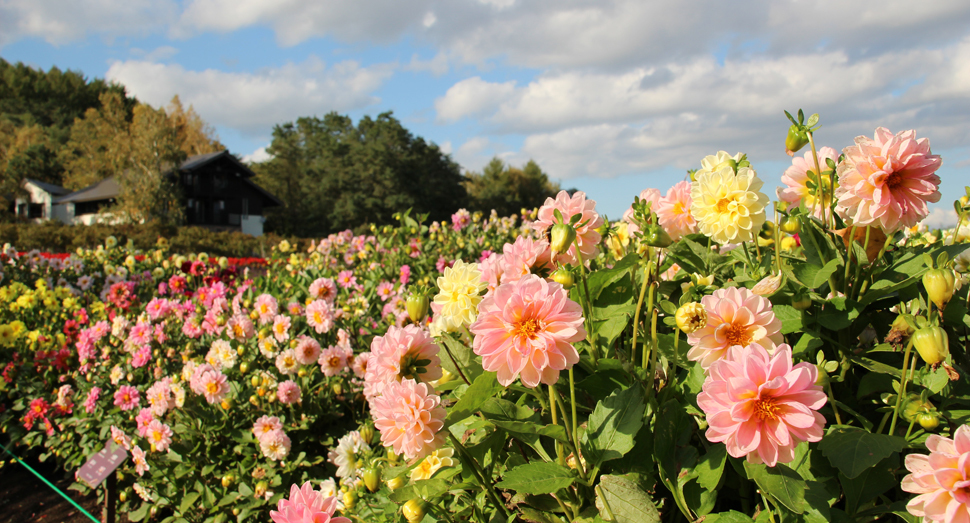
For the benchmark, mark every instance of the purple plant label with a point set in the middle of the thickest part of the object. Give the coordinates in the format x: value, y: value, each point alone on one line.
x: 101, y: 464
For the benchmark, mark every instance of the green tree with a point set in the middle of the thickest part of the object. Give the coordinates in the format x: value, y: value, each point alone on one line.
x: 508, y: 189
x: 333, y: 175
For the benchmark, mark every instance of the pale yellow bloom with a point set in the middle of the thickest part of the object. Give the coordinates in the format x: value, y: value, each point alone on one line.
x: 433, y: 463
x: 460, y: 293
x: 728, y: 207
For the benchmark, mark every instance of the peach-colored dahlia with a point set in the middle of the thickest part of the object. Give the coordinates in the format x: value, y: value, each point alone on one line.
x: 401, y: 353
x: 673, y: 211
x: 306, y: 505
x: 527, y: 328
x: 802, y: 188
x: 586, y: 235
x: 521, y: 257
x: 735, y: 317
x: 760, y: 405
x: 159, y: 435
x: 410, y: 418
x: 941, y: 479
x: 887, y: 180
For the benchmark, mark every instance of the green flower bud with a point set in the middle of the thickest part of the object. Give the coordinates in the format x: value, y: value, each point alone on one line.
x: 563, y: 277
x: 372, y: 478
x: 796, y: 139
x: 928, y: 420
x: 939, y: 284
x: 932, y: 344
x: 561, y: 236
x: 417, y: 307
x: 367, y: 433
x: 790, y: 225
x: 414, y: 510
x: 656, y: 236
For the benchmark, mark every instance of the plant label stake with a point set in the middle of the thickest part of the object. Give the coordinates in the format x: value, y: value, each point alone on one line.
x: 100, y: 467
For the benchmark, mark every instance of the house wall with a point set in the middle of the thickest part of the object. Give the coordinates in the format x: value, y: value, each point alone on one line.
x: 252, y: 225
x: 37, y: 195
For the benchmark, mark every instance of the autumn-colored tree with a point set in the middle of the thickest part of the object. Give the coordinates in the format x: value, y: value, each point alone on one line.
x: 193, y: 134
x: 99, y: 146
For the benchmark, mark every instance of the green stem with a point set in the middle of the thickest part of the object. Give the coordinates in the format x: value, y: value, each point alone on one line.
x: 552, y: 411
x: 479, y: 474
x: 652, y: 370
x: 848, y: 262
x: 902, y: 388
x: 835, y: 409
x: 575, y: 432
x: 856, y: 284
x: 650, y: 300
x: 636, y: 314
x: 821, y: 184
x: 957, y: 230
x: 587, y: 309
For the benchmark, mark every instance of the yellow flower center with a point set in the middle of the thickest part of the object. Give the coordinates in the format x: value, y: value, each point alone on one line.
x: 766, y: 409
x: 738, y: 334
x: 722, y: 205
x: 527, y: 328
x: 212, y: 387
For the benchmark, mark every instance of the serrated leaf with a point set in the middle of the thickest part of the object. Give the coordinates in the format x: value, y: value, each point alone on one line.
x: 781, y: 483
x: 538, y: 477
x: 853, y: 450
x: 481, y: 390
x: 613, y: 425
x: 626, y: 501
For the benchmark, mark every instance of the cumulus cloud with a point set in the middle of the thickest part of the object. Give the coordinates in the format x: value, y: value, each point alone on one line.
x: 258, y: 156
x: 60, y: 22
x: 253, y: 102
x: 471, y: 97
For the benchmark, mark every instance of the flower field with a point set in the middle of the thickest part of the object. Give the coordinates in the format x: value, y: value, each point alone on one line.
x: 712, y: 356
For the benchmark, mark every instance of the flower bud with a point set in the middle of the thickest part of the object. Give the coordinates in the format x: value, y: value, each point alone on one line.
x: 367, y: 433
x: 691, y: 317
x: 395, y: 483
x: 261, y: 488
x: 656, y: 236
x: 350, y: 499
x: 801, y: 302
x: 932, y: 344
x: 414, y: 510
x: 417, y: 307
x: 561, y: 237
x: 227, y: 480
x: 790, y: 225
x: 372, y: 478
x: 939, y: 284
x: 563, y: 277
x: 928, y: 420
x: 795, y: 140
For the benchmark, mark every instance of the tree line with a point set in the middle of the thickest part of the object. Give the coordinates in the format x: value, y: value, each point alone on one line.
x: 330, y: 173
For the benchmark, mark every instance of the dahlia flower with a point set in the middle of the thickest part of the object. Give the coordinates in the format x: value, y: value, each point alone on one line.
x: 323, y: 289
x: 266, y: 425
x: 735, y: 317
x: 287, y: 363
x: 410, y: 418
x: 803, y: 187
x: 527, y: 328
x: 673, y: 211
x: 307, y: 350
x: 275, y: 445
x: 399, y: 354
x: 266, y: 308
x: 728, y: 206
x: 281, y: 327
x: 459, y: 295
x: 344, y: 455
x: 650, y: 195
x: 887, y: 180
x: 319, y: 315
x: 288, y: 392
x: 760, y: 405
x: 127, y: 397
x: 306, y: 505
x: 213, y: 384
x: 138, y: 457
x: 940, y: 479
x: 333, y: 361
x: 159, y: 436
x: 586, y: 236
x: 716, y: 162
x: 433, y: 463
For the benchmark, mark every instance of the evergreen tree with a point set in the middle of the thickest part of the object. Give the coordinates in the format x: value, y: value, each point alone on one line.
x: 508, y: 189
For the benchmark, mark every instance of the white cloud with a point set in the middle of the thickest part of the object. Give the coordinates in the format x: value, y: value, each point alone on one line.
x: 258, y: 156
x: 253, y: 102
x: 941, y: 218
x: 436, y: 66
x: 158, y: 54
x: 61, y: 22
x: 472, y: 96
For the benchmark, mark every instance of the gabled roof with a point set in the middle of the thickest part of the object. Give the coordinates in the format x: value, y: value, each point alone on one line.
x: 103, y: 190
x: 200, y: 160
x: 56, y: 190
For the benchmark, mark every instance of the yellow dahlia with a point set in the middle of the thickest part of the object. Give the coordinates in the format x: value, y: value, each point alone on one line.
x: 456, y: 304
x: 728, y: 206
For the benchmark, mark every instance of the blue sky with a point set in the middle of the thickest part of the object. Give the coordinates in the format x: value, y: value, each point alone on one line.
x: 608, y: 96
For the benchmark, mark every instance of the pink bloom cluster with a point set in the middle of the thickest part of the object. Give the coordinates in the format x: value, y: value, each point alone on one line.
x: 673, y: 211
x: 517, y: 260
x: 760, y: 405
x: 273, y: 442
x: 306, y: 505
x: 209, y: 382
x: 527, y: 327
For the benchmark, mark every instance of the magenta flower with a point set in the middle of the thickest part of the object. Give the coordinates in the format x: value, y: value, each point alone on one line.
x: 410, y: 418
x: 760, y: 406
x: 306, y: 505
x: 735, y: 317
x: 586, y: 235
x: 527, y: 328
x: 91, y: 402
x: 887, y: 180
x: 941, y: 479
x: 127, y: 397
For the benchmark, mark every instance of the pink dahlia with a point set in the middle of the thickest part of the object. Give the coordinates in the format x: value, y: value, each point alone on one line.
x: 319, y: 315
x: 159, y: 435
x: 941, y: 479
x: 307, y: 350
x: 288, y: 392
x: 275, y: 445
x: 673, y: 211
x: 522, y: 257
x: 127, y: 397
x: 887, y: 180
x: 213, y: 384
x: 527, y: 328
x: 401, y: 353
x: 281, y: 327
x: 803, y: 187
x: 323, y: 289
x: 306, y: 505
x: 760, y: 405
x: 333, y: 361
x: 266, y: 425
x: 586, y: 235
x: 410, y: 418
x: 266, y: 307
x: 735, y: 317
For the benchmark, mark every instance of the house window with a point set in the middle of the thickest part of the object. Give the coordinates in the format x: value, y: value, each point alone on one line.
x: 35, y: 210
x: 218, y: 211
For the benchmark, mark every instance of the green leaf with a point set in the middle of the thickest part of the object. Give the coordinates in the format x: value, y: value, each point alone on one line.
x: 936, y: 380
x: 813, y: 276
x: 781, y: 483
x: 613, y: 425
x: 871, y: 483
x: 600, y: 280
x: 853, y: 450
x: 709, y: 469
x: 481, y: 390
x: 139, y: 513
x: 732, y: 516
x: 626, y: 501
x: 538, y: 477
x: 464, y: 356
x: 791, y: 318
x: 188, y: 501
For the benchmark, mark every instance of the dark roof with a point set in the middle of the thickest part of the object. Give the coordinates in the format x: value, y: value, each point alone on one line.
x: 103, y: 190
x: 56, y: 190
x: 201, y: 160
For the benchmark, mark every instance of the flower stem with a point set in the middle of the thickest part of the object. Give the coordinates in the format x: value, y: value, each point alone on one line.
x: 821, y: 184
x: 902, y: 388
x: 636, y: 314
x: 552, y: 410
x: 848, y: 262
x: 588, y: 309
x: 650, y: 300
x: 478, y: 473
